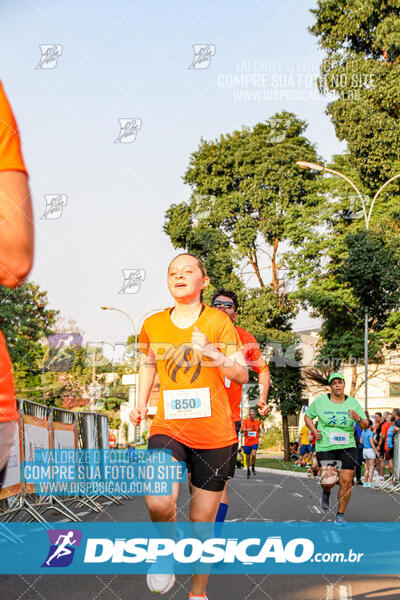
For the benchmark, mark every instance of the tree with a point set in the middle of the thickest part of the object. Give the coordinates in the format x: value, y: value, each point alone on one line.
x: 362, y: 67
x: 25, y: 319
x: 320, y: 283
x: 248, y: 202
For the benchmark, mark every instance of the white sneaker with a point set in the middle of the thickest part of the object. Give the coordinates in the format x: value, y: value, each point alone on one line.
x: 160, y: 583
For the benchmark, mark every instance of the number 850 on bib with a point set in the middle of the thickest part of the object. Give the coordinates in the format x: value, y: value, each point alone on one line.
x: 187, y: 404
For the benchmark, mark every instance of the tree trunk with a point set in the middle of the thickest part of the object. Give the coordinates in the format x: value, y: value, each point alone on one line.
x: 353, y: 380
x: 286, y: 441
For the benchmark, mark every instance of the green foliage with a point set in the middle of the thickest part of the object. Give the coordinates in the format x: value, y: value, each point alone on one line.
x: 272, y: 437
x: 361, y: 39
x: 249, y: 202
x: 25, y: 318
x: 372, y: 269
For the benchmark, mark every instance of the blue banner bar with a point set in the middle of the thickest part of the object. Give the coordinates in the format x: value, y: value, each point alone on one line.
x: 245, y: 548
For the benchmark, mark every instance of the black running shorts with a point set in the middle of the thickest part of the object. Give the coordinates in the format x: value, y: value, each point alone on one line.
x: 209, y: 468
x: 347, y: 456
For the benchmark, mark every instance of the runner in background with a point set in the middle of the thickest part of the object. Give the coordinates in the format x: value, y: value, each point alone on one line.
x: 251, y: 428
x: 227, y: 301
x: 336, y: 445
x: 193, y: 347
x: 16, y: 254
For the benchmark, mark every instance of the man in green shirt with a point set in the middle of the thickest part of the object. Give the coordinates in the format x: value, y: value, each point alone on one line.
x: 335, y: 442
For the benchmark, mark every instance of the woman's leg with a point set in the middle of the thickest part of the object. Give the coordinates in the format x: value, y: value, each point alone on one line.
x: 345, y: 487
x: 203, y: 509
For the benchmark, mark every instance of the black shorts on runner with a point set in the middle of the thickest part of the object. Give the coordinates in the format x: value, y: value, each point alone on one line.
x: 347, y: 456
x: 209, y: 468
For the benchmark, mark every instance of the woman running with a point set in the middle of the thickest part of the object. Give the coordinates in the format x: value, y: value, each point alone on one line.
x: 202, y: 346
x: 335, y: 441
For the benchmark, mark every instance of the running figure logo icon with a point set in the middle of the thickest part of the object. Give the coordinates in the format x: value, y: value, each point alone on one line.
x: 132, y: 280
x: 203, y: 54
x: 50, y: 55
x: 55, y: 204
x: 128, y: 129
x: 62, y: 547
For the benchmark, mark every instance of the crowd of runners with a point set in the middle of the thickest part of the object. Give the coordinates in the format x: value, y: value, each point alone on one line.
x: 207, y: 360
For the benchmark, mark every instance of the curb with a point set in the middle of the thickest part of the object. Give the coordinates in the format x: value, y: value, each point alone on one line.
x: 282, y: 471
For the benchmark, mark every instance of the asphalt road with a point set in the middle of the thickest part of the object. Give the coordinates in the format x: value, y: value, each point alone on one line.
x: 266, y: 497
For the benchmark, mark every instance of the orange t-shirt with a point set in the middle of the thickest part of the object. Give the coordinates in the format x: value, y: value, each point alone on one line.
x: 252, y: 427
x: 181, y: 367
x: 10, y: 160
x: 254, y: 359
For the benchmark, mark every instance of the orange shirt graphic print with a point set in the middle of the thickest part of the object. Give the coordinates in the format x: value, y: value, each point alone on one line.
x: 183, y: 364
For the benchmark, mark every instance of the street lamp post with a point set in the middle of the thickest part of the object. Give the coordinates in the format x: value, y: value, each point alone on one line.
x: 367, y: 217
x: 135, y: 332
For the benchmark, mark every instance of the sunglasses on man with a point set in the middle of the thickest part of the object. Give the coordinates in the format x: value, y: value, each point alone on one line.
x: 218, y: 304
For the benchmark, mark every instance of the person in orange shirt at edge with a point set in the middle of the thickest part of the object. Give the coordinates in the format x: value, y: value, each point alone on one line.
x: 192, y: 346
x: 16, y: 255
x: 227, y: 301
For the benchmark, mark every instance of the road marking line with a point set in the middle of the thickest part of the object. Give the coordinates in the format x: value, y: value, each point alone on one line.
x: 297, y: 494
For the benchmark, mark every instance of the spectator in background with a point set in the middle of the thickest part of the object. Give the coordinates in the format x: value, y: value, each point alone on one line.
x: 396, y: 415
x: 16, y: 254
x: 305, y: 447
x: 369, y: 454
x: 389, y: 444
x: 382, y: 440
x: 380, y: 461
x: 359, y: 459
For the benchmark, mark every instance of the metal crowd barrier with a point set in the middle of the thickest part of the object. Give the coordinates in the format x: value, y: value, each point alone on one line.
x: 34, y: 433
x: 393, y: 483
x: 93, y: 434
x: 40, y: 426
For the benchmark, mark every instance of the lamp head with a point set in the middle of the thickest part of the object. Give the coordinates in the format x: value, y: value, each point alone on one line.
x: 303, y: 164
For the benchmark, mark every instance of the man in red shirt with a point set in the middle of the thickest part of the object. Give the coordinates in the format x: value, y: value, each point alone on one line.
x: 251, y: 429
x: 16, y: 254
x: 227, y: 301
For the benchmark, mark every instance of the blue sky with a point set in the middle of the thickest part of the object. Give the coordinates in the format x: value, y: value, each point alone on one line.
x: 130, y: 59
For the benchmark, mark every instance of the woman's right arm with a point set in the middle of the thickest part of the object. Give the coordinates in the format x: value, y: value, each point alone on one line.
x: 147, y: 373
x: 310, y: 424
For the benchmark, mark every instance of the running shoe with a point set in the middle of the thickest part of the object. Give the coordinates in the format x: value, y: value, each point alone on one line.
x: 340, y: 519
x: 160, y: 584
x: 248, y: 474
x: 324, y: 501
x: 359, y: 482
x: 253, y: 470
